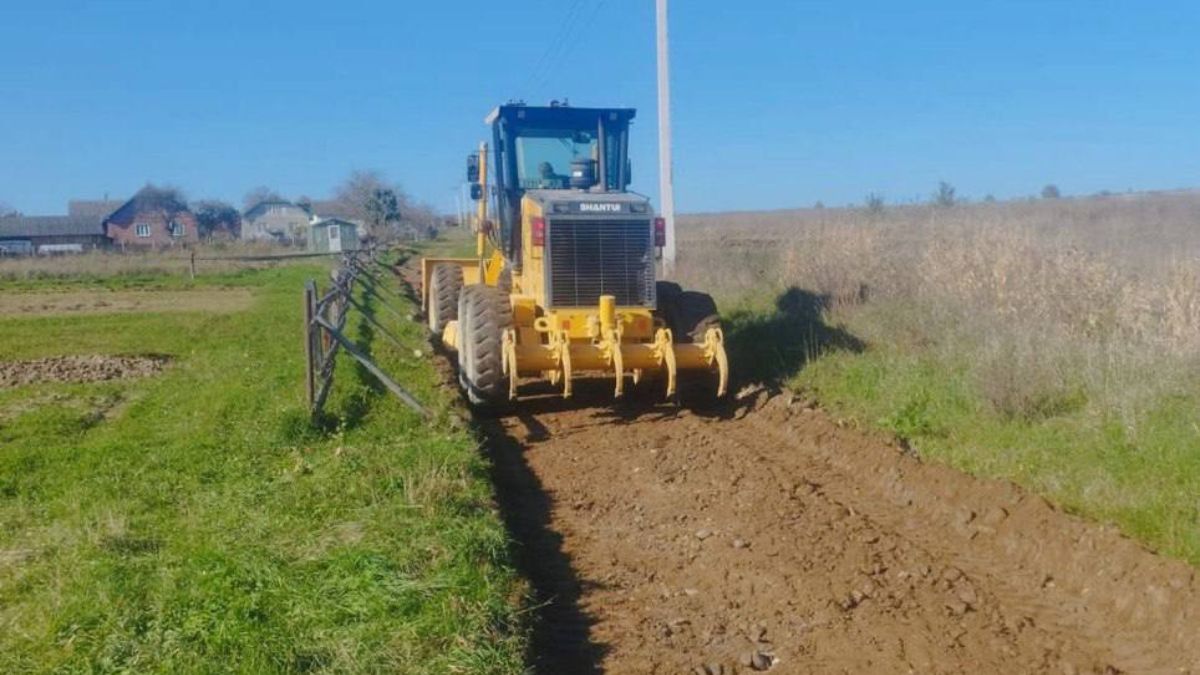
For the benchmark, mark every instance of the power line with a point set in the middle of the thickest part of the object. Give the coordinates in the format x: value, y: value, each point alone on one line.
x: 569, y: 44
x: 571, y: 16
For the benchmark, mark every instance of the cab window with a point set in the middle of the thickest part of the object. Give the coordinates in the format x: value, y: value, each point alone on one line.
x: 544, y: 156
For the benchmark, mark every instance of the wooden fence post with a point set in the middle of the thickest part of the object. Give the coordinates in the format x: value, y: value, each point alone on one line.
x: 310, y: 380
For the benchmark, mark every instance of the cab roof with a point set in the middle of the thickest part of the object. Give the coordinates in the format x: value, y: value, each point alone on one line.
x: 556, y: 115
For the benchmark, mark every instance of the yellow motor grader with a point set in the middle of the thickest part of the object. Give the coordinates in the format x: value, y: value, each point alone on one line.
x: 564, y: 276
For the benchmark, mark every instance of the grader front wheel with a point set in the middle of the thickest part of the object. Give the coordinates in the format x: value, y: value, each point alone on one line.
x: 486, y: 315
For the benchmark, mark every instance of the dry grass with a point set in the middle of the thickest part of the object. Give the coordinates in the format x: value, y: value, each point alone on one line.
x: 1056, y: 342
x: 116, y: 264
x: 1063, y: 266
x: 111, y: 301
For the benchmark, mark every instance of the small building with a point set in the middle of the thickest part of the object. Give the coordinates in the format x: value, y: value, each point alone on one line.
x: 152, y: 218
x: 333, y: 208
x: 333, y: 235
x: 26, y: 235
x: 275, y: 220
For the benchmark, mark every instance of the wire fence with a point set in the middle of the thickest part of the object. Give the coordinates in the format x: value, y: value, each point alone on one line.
x: 325, y: 317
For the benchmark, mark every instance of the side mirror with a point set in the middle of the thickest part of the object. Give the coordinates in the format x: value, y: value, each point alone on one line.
x: 473, y: 169
x: 476, y: 191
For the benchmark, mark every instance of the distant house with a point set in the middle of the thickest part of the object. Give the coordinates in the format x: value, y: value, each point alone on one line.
x: 152, y: 218
x: 275, y: 220
x: 25, y: 235
x: 333, y: 235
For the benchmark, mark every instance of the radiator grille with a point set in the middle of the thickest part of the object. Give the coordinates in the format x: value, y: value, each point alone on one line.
x: 590, y: 258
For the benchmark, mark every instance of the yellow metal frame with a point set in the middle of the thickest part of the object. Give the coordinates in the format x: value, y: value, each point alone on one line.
x: 558, y: 355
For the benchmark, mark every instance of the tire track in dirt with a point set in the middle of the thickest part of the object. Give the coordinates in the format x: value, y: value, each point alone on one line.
x: 765, y: 535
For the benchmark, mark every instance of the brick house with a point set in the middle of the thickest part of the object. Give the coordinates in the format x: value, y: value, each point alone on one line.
x: 153, y: 218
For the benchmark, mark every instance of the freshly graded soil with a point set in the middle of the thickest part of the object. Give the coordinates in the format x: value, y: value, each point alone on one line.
x: 93, y: 368
x: 764, y: 535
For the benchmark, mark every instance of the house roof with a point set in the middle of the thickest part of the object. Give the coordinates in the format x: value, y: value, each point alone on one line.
x: 148, y: 199
x: 49, y: 226
x: 335, y: 221
x: 98, y: 208
x: 256, y: 210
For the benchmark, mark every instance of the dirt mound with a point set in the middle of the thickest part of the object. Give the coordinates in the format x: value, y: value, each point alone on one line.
x: 765, y: 536
x: 94, y: 368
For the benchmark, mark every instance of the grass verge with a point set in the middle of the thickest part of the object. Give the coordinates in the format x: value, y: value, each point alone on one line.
x: 196, y: 522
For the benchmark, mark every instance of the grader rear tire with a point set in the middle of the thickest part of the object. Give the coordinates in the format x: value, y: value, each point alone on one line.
x: 487, y: 315
x: 695, y: 313
x: 689, y: 314
x: 444, y: 285
x: 667, y: 292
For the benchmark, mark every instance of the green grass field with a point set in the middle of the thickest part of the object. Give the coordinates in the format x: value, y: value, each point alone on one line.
x: 195, y: 521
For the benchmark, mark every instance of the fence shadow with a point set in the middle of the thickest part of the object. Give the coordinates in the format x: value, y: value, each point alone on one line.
x: 353, y: 408
x: 769, y: 348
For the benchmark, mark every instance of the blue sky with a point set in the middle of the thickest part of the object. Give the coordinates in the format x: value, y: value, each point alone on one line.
x: 776, y: 103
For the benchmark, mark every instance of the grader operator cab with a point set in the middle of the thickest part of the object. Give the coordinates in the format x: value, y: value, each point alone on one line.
x: 564, y: 276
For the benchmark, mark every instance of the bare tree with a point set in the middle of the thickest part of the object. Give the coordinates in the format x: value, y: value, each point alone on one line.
x: 874, y: 202
x: 424, y: 219
x: 7, y: 211
x: 1051, y: 191
x: 215, y: 218
x: 368, y: 197
x: 166, y: 198
x: 258, y: 195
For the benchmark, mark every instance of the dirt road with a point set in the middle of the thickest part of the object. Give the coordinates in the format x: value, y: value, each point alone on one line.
x: 765, y: 535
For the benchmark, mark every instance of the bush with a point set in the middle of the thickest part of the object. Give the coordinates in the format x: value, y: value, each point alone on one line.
x: 945, y: 195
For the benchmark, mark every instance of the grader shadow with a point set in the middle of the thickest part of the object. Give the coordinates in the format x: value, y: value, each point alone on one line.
x: 769, y: 348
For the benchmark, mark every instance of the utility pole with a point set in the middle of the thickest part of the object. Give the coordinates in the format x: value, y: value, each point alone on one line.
x: 666, y: 178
